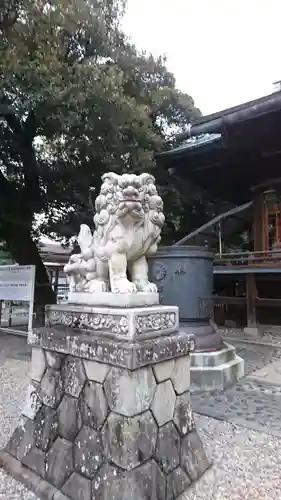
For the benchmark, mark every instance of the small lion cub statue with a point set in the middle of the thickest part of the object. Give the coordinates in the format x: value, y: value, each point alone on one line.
x: 128, y: 222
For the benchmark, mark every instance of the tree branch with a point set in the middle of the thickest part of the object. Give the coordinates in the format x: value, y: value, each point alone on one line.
x: 24, y: 135
x: 30, y: 126
x: 9, y: 13
x: 6, y: 111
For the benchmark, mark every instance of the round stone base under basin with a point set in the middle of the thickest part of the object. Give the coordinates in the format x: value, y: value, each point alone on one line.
x: 207, y: 337
x: 215, y: 370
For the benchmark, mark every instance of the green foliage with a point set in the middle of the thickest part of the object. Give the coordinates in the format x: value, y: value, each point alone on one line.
x: 77, y: 99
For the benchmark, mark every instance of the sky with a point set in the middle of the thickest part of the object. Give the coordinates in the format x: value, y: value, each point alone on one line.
x: 222, y: 52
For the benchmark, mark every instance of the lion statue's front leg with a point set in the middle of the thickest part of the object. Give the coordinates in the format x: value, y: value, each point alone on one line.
x: 119, y: 282
x: 139, y: 274
x: 98, y: 282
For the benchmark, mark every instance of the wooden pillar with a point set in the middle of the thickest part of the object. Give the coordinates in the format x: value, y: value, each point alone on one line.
x: 220, y: 237
x: 260, y: 224
x: 251, y: 294
x: 57, y: 271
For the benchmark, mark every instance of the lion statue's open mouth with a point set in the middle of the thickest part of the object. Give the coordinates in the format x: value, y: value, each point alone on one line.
x: 128, y: 222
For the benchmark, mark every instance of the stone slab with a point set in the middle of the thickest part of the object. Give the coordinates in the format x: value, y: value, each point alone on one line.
x: 130, y: 441
x: 194, y: 460
x: 168, y: 447
x: 181, y: 375
x: 125, y: 323
x: 163, y: 404
x: 183, y: 415
x: 145, y: 482
x: 59, y: 463
x: 73, y: 375
x: 38, y: 364
x: 177, y: 482
x: 96, y: 371
x: 32, y: 401
x: 41, y: 488
x: 53, y: 359
x: 131, y: 392
x: 69, y: 417
x: 138, y: 299
x: 78, y: 487
x: 163, y: 371
x: 129, y: 355
x: 45, y: 427
x: 22, y: 439
x: 35, y: 460
x: 88, y: 452
x: 95, y: 407
x: 51, y: 388
x: 60, y: 496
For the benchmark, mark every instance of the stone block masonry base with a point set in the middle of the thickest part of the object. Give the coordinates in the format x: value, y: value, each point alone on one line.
x: 98, y: 431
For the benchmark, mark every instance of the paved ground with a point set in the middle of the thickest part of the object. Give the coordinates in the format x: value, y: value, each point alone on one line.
x: 246, y: 461
x: 256, y: 356
x: 254, y: 402
x: 267, y: 335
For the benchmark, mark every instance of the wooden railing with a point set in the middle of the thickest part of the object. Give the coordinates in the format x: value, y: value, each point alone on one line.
x: 221, y: 300
x: 242, y: 259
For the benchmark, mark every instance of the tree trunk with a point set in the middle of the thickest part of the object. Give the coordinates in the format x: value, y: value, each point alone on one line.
x: 25, y: 252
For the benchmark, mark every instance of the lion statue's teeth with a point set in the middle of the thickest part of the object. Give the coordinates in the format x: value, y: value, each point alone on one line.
x: 128, y: 222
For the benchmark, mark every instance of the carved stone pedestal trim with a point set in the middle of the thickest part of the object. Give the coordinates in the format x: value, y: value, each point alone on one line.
x: 121, y: 323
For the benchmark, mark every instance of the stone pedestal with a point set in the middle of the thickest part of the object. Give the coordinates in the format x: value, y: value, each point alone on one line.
x: 108, y: 413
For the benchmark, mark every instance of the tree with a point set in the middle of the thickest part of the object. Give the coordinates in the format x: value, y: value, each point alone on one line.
x: 76, y: 100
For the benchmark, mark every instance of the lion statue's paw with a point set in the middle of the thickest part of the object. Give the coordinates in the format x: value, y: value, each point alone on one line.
x: 123, y: 286
x: 150, y: 288
x: 146, y: 287
x: 97, y: 286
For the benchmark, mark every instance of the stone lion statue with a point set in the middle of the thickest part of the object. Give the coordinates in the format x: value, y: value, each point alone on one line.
x: 128, y: 222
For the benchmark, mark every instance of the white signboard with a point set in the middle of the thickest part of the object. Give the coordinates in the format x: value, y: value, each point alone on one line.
x: 17, y: 284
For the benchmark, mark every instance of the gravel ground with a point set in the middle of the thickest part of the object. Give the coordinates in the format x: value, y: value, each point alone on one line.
x: 13, y: 384
x: 246, y: 463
